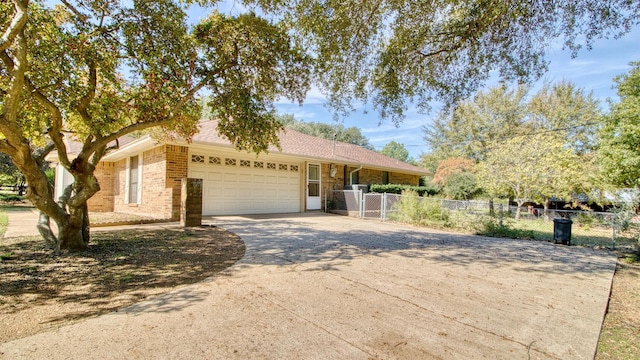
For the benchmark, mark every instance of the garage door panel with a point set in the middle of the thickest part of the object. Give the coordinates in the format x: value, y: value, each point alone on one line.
x: 235, y: 189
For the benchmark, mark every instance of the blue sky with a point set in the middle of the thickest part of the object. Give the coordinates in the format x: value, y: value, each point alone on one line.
x: 592, y: 71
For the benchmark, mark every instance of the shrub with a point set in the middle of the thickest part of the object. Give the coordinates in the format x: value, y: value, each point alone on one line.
x: 585, y: 220
x: 491, y: 228
x: 10, y: 197
x: 414, y: 210
x: 399, y: 188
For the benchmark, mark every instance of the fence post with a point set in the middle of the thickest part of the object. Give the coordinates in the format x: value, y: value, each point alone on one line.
x: 382, y: 207
x: 500, y: 215
x: 361, y: 203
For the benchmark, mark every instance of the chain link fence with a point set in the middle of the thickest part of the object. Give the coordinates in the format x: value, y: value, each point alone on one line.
x: 384, y: 206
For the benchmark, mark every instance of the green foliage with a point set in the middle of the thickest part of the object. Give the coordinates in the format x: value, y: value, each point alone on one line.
x: 491, y: 228
x: 530, y: 168
x: 399, y: 188
x: 414, y: 210
x: 619, y: 152
x: 397, y: 151
x: 584, y: 220
x: 389, y: 52
x: 565, y: 108
x: 10, y: 197
x: 463, y: 186
x: 351, y: 135
x: 470, y: 129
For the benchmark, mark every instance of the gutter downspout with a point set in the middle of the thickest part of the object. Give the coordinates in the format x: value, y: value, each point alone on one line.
x: 351, y: 174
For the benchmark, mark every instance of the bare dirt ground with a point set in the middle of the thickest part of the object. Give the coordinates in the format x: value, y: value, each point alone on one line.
x: 621, y: 327
x: 41, y: 291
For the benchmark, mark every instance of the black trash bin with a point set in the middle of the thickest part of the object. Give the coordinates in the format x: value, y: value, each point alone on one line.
x: 562, y: 231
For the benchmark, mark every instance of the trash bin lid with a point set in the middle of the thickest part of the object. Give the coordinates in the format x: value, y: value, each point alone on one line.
x: 562, y: 221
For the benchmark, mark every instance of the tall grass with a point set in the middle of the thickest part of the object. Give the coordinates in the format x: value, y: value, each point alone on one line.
x: 585, y: 231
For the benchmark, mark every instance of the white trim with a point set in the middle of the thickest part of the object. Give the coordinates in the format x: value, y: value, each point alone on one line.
x: 314, y: 205
x: 128, y: 179
x: 140, y: 177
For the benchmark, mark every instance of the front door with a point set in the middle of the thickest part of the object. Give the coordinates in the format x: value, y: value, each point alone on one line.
x: 313, y: 187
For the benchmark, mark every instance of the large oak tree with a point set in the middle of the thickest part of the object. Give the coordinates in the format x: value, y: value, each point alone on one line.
x: 95, y: 70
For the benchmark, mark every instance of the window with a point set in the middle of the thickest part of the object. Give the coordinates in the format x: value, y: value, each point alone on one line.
x: 385, y: 177
x: 258, y: 164
x: 293, y: 168
x: 197, y: 159
x: 134, y: 180
x: 245, y: 163
x: 230, y: 162
x: 282, y: 167
x: 214, y: 160
x: 271, y: 166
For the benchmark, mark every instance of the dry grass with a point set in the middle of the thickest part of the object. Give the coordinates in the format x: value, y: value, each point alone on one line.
x: 41, y: 291
x: 621, y: 327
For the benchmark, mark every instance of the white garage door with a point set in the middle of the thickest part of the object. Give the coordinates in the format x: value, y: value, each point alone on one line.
x: 234, y: 185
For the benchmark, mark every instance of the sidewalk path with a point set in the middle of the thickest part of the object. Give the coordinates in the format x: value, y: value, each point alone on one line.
x: 315, y: 286
x: 22, y: 222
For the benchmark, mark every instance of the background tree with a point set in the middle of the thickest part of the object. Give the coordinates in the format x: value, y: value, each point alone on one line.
x: 456, y: 178
x: 95, y: 71
x: 529, y: 168
x: 397, y: 151
x: 351, y: 135
x: 468, y: 130
x: 619, y: 152
x: 567, y: 110
x: 9, y: 173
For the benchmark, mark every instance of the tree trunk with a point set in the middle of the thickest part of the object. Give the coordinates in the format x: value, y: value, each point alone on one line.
x: 547, y: 202
x: 518, y: 210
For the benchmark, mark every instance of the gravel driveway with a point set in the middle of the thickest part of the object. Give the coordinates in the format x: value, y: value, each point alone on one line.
x: 315, y: 286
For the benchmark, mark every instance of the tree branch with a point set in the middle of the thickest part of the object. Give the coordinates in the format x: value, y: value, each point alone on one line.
x: 82, y: 17
x: 55, y: 131
x: 85, y: 101
x: 17, y: 24
x: 42, y: 153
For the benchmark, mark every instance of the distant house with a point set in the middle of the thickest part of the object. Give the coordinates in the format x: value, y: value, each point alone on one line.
x: 143, y: 176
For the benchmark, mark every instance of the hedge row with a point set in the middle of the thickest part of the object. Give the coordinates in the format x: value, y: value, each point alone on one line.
x: 398, y: 188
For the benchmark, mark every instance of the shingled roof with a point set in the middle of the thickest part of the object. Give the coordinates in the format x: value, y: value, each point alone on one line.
x: 298, y: 144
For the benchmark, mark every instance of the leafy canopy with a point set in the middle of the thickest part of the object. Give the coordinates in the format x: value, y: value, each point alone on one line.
x: 619, y: 152
x: 390, y: 52
x: 397, y: 151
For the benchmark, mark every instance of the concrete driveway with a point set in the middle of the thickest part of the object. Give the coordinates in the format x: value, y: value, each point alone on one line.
x: 317, y: 286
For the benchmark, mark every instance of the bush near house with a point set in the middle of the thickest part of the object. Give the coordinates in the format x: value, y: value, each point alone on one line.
x: 399, y: 188
x: 414, y: 210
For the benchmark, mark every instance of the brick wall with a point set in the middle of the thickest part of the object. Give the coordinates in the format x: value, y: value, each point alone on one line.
x: 372, y: 176
x: 331, y: 183
x: 102, y: 201
x: 176, y: 165
x: 163, y: 168
x: 396, y: 178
